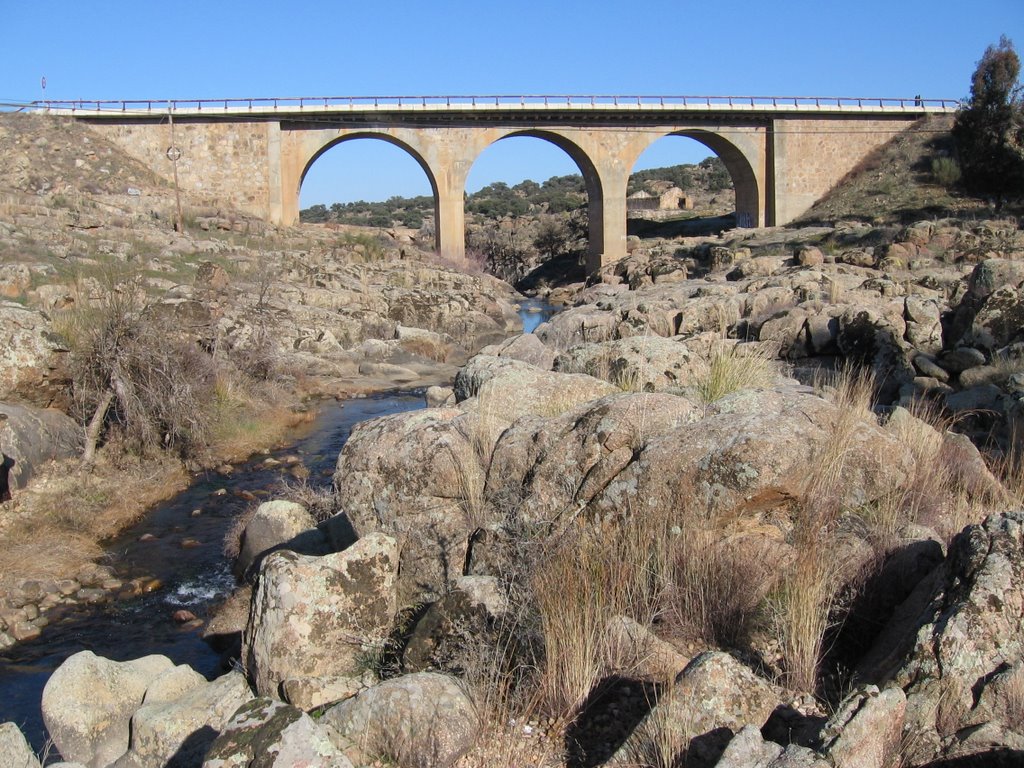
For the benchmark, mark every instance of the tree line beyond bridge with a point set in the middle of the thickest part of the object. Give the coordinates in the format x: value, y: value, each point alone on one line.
x: 783, y: 154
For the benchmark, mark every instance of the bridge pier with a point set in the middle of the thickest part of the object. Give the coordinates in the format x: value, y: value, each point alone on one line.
x: 450, y: 220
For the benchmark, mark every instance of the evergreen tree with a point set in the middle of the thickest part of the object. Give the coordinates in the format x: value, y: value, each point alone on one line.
x: 989, y: 129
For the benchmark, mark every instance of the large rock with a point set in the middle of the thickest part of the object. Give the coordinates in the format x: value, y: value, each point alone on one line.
x: 418, y: 719
x: 176, y: 732
x: 30, y: 437
x: 269, y: 734
x: 712, y: 699
x: 15, y: 749
x: 638, y: 652
x: 417, y: 476
x: 32, y: 358
x: 464, y: 614
x: 525, y: 347
x: 273, y: 525
x: 874, y: 337
x: 315, y: 616
x: 511, y: 389
x: 752, y: 452
x: 544, y: 466
x: 97, y: 734
x: 965, y: 630
x: 639, y: 363
x: 420, y: 476
x: 991, y: 312
x: 308, y: 693
x: 866, y: 729
x: 748, y: 749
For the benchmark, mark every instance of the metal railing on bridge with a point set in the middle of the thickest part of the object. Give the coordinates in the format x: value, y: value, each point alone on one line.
x: 264, y: 105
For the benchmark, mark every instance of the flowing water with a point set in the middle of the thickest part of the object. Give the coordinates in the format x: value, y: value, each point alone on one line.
x: 534, y: 312
x: 183, y: 548
x: 180, y: 543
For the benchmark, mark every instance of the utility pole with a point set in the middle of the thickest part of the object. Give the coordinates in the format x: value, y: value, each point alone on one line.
x: 174, y: 155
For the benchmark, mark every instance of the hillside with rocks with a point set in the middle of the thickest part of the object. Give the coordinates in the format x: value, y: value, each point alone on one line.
x: 752, y: 500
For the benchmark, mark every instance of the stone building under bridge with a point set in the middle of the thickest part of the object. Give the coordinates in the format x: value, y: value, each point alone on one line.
x: 643, y: 204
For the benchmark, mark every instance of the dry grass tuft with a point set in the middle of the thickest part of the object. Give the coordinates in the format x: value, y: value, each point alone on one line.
x: 802, y: 607
x: 586, y: 575
x: 427, y: 348
x: 710, y: 593
x: 57, y: 523
x: 734, y: 367
x: 247, y: 417
x: 1010, y: 467
x: 1013, y: 695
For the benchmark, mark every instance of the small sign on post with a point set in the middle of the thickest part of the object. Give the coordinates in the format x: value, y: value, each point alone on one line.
x: 174, y: 155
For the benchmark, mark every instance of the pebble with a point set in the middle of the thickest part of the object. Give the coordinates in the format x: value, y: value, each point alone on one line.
x: 25, y: 630
x: 183, y: 616
x: 91, y: 596
x: 147, y: 537
x: 48, y: 602
x: 68, y: 587
x: 196, y: 512
x: 190, y: 543
x: 220, y: 492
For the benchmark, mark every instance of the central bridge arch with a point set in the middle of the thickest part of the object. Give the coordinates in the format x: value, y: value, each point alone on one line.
x: 587, y: 168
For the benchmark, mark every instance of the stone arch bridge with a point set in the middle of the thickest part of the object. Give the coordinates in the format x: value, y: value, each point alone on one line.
x: 783, y: 153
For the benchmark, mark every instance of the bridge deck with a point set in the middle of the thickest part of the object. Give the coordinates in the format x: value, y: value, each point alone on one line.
x: 308, y: 106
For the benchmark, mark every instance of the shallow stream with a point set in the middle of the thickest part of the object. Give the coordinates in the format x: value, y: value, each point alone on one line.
x: 180, y: 542
x: 183, y: 548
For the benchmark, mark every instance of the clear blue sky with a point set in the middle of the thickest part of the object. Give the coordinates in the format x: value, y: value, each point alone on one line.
x: 214, y: 49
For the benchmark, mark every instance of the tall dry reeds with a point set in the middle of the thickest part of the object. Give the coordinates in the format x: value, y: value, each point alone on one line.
x: 710, y: 593
x: 802, y: 604
x: 590, y: 574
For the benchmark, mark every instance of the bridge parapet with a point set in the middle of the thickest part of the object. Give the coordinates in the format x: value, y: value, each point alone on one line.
x: 305, y: 105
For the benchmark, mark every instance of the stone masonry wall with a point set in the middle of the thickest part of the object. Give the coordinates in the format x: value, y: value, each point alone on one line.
x: 224, y: 164
x: 812, y: 156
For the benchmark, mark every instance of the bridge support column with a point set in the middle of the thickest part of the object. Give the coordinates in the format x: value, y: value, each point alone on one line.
x: 450, y: 216
x: 608, y: 218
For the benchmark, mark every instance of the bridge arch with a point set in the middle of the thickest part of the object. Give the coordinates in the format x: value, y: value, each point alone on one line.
x: 743, y: 159
x: 380, y: 136
x: 588, y: 169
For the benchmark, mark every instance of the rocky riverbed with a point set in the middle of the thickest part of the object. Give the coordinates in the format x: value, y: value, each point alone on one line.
x: 751, y: 500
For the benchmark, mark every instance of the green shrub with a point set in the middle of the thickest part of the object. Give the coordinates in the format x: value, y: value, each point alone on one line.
x: 945, y: 171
